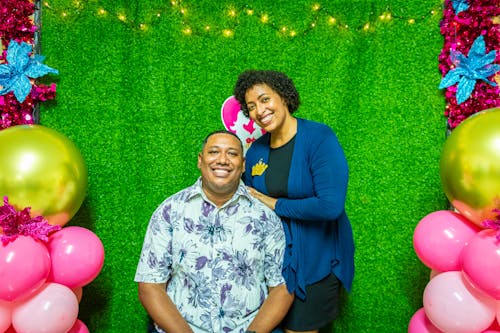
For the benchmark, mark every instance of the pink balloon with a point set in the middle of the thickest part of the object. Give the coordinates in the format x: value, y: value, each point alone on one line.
x: 77, y: 256
x: 453, y: 305
x: 440, y: 237
x: 79, y: 327
x: 5, y: 315
x: 481, y: 262
x: 53, y: 309
x: 419, y: 323
x: 24, y: 267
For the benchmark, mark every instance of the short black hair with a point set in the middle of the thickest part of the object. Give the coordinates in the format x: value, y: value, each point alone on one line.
x: 223, y: 131
x: 277, y: 81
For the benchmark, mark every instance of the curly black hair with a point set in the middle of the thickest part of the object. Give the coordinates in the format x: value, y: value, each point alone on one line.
x: 277, y: 81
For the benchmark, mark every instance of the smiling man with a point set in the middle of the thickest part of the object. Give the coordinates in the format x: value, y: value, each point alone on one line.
x: 213, y: 255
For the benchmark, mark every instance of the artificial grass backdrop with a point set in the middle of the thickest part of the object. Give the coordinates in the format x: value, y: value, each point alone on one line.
x: 142, y: 82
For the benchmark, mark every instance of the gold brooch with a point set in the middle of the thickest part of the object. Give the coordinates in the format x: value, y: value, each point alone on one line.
x: 259, y: 168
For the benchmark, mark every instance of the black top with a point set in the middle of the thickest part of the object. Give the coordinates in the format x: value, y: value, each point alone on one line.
x: 278, y: 169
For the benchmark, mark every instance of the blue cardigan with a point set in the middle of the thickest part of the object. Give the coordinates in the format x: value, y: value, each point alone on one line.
x: 319, y: 239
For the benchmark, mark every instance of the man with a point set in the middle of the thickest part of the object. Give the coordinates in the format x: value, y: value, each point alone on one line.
x: 216, y: 251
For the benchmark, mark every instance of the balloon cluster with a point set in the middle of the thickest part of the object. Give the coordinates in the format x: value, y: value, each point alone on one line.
x: 43, y: 264
x: 462, y: 246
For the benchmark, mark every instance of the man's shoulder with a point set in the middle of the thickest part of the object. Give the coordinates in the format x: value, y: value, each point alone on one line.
x: 181, y: 196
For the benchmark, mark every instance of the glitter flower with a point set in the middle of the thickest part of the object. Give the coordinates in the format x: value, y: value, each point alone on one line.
x: 494, y: 224
x: 20, y: 67
x: 14, y: 223
x: 476, y: 66
x: 460, y: 6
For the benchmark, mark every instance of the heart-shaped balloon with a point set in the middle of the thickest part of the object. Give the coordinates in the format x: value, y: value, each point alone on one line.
x: 235, y: 121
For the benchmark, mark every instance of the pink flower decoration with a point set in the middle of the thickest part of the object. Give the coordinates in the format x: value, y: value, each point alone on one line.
x: 494, y: 224
x: 15, y: 223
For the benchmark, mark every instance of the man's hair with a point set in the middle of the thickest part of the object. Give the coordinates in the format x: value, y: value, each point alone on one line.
x: 221, y: 132
x: 277, y: 81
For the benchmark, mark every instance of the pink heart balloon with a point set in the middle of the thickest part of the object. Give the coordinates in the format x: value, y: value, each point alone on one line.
x: 235, y: 121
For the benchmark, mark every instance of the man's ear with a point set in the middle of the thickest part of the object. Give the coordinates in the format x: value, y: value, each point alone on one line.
x: 199, y: 161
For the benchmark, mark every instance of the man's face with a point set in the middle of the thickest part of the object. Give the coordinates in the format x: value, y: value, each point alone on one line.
x: 221, y: 163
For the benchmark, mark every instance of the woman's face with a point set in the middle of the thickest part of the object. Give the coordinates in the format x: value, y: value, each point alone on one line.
x: 266, y: 107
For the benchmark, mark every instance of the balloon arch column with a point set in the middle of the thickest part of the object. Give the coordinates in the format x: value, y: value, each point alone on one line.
x: 43, y: 264
x: 462, y: 246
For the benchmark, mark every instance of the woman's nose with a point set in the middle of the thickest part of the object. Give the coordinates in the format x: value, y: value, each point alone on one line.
x: 260, y: 108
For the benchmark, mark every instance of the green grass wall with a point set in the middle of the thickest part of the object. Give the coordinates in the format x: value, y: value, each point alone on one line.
x: 138, y: 91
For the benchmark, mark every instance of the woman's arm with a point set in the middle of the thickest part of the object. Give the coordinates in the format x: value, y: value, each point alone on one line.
x: 161, y: 308
x: 329, y: 173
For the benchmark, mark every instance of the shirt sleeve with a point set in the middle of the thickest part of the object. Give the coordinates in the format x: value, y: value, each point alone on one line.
x: 274, y: 251
x: 155, y: 261
x: 329, y: 172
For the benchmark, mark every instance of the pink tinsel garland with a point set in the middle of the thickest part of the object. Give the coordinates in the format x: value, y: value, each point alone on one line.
x: 459, y: 31
x: 16, y: 23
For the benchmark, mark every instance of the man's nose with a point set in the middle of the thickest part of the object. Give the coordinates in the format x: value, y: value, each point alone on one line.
x: 222, y: 158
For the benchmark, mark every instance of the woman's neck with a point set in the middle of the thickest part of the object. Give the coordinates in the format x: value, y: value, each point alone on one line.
x: 285, y: 133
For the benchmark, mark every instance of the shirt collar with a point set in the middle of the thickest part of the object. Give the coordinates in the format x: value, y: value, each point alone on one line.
x: 196, y: 190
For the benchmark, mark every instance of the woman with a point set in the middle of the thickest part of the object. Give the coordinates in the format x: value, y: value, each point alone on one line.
x: 299, y: 170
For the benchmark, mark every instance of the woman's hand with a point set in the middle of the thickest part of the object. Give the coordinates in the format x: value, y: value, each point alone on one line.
x: 265, y: 199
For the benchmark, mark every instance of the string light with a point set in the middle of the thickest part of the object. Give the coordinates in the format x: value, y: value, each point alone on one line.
x: 320, y: 15
x: 122, y: 17
x: 332, y: 20
x: 227, y: 33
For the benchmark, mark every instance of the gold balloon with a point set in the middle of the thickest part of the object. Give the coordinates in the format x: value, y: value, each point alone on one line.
x: 470, y: 166
x: 42, y: 169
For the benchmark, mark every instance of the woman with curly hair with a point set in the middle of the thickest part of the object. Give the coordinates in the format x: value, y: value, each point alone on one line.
x: 298, y: 169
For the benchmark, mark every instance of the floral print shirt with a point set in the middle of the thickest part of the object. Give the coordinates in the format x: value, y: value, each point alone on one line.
x: 218, y: 262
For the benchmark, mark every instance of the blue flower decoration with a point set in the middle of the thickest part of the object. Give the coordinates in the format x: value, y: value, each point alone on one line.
x: 20, y: 67
x: 460, y: 6
x: 477, y: 66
